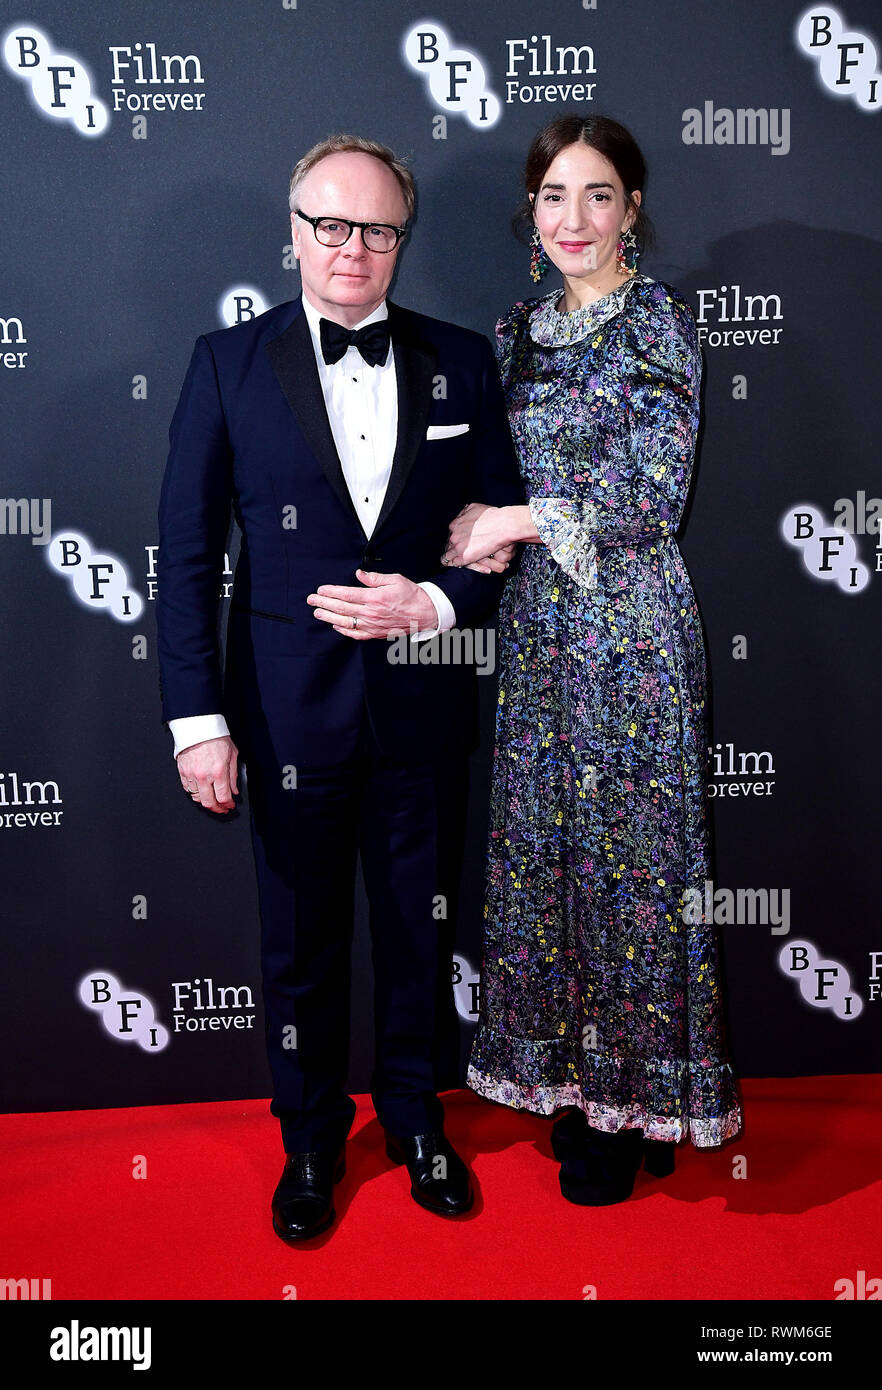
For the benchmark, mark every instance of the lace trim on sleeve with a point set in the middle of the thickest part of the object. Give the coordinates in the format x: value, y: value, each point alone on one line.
x: 566, y: 527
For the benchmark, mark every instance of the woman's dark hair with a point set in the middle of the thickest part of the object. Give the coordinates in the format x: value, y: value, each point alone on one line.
x: 605, y: 136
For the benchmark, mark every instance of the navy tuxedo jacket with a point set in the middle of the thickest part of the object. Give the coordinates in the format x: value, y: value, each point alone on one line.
x: 251, y: 434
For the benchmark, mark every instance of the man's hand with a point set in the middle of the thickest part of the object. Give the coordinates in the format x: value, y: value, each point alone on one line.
x: 386, y: 605
x: 208, y: 773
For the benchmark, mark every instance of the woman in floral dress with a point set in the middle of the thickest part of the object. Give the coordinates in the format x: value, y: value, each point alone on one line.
x: 600, y: 1001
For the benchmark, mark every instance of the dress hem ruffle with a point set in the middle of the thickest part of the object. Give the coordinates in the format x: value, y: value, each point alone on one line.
x: 544, y: 1100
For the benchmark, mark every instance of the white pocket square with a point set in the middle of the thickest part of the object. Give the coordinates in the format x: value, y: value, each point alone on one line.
x: 445, y: 431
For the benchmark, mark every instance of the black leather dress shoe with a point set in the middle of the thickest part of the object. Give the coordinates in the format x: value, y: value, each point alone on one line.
x: 303, y: 1201
x: 439, y: 1180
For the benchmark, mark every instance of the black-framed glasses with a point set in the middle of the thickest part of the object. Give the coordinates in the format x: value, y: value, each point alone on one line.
x: 336, y: 231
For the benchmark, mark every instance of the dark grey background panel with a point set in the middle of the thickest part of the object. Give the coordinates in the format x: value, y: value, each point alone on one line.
x: 118, y: 249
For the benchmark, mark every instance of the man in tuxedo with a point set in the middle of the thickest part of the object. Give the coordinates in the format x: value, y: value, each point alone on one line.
x: 345, y: 433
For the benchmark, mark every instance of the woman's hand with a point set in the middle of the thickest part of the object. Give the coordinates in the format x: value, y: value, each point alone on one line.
x: 493, y: 564
x: 479, y: 539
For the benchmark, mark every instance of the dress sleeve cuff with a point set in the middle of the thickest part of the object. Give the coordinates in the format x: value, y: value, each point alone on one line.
x: 566, y: 528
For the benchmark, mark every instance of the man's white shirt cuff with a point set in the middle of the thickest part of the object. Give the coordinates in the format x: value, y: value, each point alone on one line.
x: 444, y: 611
x: 196, y: 728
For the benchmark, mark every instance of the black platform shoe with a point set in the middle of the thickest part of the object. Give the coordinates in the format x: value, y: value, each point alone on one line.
x: 658, y: 1157
x: 303, y: 1201
x: 441, y: 1187
x: 597, y: 1168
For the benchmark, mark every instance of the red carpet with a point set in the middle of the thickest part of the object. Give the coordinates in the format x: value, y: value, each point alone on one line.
x: 806, y: 1214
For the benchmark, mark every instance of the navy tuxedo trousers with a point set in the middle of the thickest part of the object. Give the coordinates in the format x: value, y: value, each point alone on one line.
x: 406, y: 819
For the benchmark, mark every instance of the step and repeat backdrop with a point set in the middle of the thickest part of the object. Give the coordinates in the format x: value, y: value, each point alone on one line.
x: 146, y: 154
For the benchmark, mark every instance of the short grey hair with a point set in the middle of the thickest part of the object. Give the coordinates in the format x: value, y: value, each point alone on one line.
x: 352, y: 144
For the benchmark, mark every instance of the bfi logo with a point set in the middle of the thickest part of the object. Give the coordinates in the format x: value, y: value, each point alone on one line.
x: 127, y: 1015
x: 847, y: 60
x: 98, y: 580
x: 60, y: 84
x: 240, y: 304
x: 828, y: 552
x: 466, y: 989
x: 455, y: 79
x: 824, y: 984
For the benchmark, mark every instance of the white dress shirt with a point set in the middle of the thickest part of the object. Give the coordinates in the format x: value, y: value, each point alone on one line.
x: 362, y: 406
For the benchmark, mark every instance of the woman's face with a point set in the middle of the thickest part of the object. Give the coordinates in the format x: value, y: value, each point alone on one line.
x: 579, y: 210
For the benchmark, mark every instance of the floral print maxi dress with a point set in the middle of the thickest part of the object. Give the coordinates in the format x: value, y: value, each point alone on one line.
x: 595, y: 992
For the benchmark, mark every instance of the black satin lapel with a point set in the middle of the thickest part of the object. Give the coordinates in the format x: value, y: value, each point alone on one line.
x: 414, y: 373
x: 292, y: 359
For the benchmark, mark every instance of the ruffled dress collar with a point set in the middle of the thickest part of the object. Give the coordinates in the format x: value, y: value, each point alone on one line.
x: 549, y: 328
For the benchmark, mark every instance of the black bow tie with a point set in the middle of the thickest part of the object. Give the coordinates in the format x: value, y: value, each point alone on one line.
x: 372, y: 341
